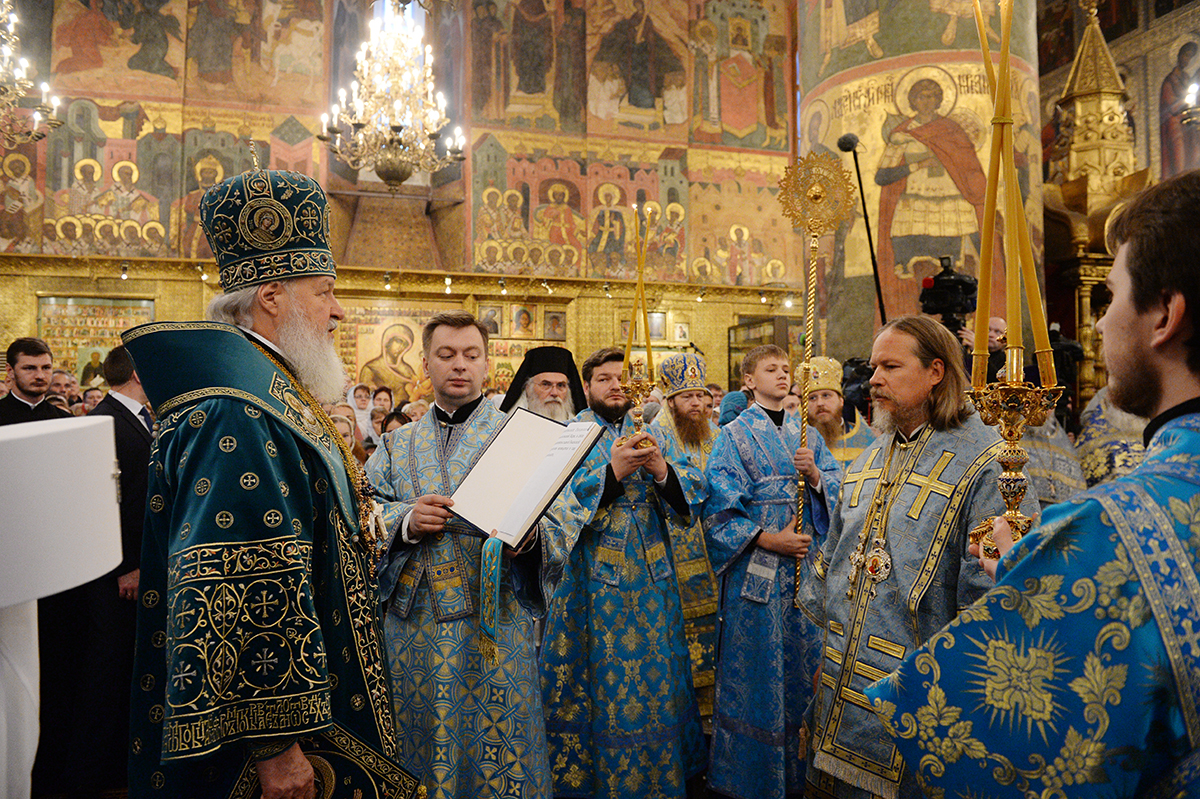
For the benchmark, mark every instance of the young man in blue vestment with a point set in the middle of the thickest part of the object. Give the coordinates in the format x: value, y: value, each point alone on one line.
x: 769, y: 650
x: 620, y: 712
x: 1078, y: 674
x: 468, y: 727
x: 259, y: 660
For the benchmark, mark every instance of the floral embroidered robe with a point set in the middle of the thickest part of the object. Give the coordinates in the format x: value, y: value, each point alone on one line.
x: 257, y: 617
x: 770, y: 649
x: 465, y: 728
x: 621, y: 714
x: 696, y: 580
x: 1078, y: 674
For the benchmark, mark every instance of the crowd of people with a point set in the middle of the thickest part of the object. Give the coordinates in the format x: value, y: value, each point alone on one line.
x: 756, y: 595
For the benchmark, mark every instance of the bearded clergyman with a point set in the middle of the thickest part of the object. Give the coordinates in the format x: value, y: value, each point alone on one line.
x: 259, y: 650
x: 827, y: 412
x: 547, y: 384
x: 686, y: 418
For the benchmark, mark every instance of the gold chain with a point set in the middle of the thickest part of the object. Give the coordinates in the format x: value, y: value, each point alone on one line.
x: 358, y: 476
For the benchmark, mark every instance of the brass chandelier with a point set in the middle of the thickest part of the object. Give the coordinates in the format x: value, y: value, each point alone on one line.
x: 392, y: 117
x: 15, y: 128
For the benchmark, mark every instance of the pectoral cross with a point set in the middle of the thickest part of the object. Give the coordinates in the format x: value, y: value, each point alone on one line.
x: 930, y: 484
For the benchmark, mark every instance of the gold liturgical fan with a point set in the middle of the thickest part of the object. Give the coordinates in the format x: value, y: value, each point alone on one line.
x: 817, y: 195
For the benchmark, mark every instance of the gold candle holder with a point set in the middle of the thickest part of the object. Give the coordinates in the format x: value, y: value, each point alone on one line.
x: 1010, y: 406
x: 1011, y: 403
x: 637, y: 390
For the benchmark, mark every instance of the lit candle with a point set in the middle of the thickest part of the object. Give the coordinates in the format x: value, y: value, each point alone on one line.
x: 45, y: 92
x: 324, y: 123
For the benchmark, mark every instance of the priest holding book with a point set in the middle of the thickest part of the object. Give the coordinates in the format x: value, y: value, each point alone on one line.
x: 468, y: 710
x: 621, y: 714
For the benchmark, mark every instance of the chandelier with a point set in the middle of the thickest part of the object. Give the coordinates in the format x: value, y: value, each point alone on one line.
x: 392, y: 117
x: 15, y: 84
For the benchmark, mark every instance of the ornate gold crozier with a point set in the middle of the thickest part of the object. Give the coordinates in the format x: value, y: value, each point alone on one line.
x: 1011, y: 403
x: 637, y: 381
x: 817, y: 195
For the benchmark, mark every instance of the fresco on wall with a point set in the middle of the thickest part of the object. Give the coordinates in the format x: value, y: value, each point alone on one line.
x: 1056, y: 34
x: 840, y: 34
x: 740, y: 83
x: 1117, y: 17
x: 1179, y: 144
x: 637, y: 73
x: 926, y: 127
x: 125, y: 179
x: 1162, y: 7
x: 705, y: 217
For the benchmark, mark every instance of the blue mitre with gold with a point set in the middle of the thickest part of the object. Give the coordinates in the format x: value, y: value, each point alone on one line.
x: 683, y: 372
x: 267, y: 225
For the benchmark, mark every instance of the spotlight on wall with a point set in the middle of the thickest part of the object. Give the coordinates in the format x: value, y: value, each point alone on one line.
x: 608, y: 291
x: 762, y: 297
x: 387, y: 281
x: 448, y: 281
x: 789, y: 300
x: 124, y: 271
x: 700, y: 296
x: 546, y: 286
x: 503, y: 287
x: 203, y: 273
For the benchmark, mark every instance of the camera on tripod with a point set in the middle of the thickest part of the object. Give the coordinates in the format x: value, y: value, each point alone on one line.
x: 949, y: 294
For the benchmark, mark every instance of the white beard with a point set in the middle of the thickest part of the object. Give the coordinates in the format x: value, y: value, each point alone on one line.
x: 314, y: 358
x: 882, y: 422
x: 558, y: 410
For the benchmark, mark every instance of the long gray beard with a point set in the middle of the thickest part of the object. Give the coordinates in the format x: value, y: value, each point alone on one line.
x: 558, y: 410
x: 314, y: 358
x: 882, y: 422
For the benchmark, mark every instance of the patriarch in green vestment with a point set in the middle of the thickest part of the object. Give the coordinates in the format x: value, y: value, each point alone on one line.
x: 259, y: 662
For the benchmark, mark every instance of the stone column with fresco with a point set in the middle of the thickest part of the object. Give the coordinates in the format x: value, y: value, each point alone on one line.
x: 908, y: 79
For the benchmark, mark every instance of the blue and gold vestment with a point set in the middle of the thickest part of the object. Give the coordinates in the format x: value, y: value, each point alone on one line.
x: 257, y: 620
x: 465, y: 728
x: 770, y: 650
x: 1077, y: 675
x: 855, y: 438
x: 695, y: 578
x: 621, y: 715
x: 1053, y: 468
x: 1109, y: 444
x: 905, y: 511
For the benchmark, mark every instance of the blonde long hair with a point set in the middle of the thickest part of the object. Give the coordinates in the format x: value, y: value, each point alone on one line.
x: 948, y: 406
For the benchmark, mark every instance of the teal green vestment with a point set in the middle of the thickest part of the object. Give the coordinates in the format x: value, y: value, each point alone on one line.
x: 257, y: 622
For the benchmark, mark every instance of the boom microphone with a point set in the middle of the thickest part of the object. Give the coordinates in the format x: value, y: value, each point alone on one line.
x: 848, y: 143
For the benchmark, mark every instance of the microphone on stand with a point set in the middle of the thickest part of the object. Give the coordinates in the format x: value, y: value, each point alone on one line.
x: 848, y: 143
x: 699, y: 351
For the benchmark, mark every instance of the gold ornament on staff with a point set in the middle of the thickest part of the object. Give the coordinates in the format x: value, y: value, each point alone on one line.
x: 817, y: 195
x: 1010, y: 403
x: 638, y: 382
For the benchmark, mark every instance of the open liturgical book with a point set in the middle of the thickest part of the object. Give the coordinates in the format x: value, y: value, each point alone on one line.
x: 520, y: 473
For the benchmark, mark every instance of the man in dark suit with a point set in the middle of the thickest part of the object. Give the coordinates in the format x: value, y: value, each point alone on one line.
x: 87, y: 633
x: 29, y: 365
